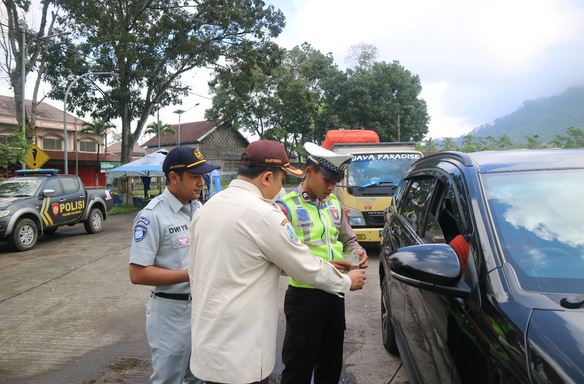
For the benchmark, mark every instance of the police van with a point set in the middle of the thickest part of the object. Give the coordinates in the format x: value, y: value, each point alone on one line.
x: 38, y: 202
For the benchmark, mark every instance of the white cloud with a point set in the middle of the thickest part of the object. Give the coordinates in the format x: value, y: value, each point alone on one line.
x: 484, y: 57
x: 477, y: 59
x: 442, y: 124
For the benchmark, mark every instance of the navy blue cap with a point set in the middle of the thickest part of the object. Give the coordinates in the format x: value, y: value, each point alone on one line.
x: 187, y: 159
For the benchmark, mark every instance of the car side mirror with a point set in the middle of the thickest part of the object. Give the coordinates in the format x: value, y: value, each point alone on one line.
x: 433, y: 267
x: 48, y: 192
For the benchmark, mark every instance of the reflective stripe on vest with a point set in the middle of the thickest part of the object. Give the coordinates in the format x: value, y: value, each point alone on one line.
x: 315, y: 226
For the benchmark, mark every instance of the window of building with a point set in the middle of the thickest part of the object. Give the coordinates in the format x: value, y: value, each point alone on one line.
x: 87, y: 146
x: 5, y: 139
x: 51, y: 143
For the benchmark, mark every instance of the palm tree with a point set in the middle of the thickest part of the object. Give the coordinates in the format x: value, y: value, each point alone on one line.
x: 158, y: 128
x: 100, y: 129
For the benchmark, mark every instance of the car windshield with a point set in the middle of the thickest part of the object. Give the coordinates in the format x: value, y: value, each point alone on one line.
x: 538, y: 220
x: 379, y: 169
x: 19, y: 187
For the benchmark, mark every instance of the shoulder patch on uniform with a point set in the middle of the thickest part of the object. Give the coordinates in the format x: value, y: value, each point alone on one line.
x: 140, y: 232
x: 143, y: 219
x: 291, y: 232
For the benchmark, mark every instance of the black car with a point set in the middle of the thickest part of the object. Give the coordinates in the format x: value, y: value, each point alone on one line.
x: 510, y: 309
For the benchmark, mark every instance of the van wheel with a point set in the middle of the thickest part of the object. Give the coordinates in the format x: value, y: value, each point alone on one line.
x: 94, y: 223
x: 25, y: 235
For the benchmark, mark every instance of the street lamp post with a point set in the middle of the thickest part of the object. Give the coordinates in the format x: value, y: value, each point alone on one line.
x: 179, y: 112
x: 65, y: 144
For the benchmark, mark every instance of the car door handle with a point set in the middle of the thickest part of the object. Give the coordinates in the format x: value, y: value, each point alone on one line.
x: 82, y: 196
x: 62, y: 200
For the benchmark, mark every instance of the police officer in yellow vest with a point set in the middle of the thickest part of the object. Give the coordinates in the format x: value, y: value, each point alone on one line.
x: 315, y: 320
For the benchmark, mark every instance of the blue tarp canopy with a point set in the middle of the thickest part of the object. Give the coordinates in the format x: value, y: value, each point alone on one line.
x: 149, y: 166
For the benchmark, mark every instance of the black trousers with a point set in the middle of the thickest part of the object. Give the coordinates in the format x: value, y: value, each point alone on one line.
x: 315, y: 332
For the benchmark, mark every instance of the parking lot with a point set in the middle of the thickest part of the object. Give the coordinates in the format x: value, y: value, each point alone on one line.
x: 70, y: 315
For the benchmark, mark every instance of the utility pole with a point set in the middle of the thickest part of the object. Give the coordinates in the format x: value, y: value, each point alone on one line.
x: 179, y: 112
x: 398, y: 127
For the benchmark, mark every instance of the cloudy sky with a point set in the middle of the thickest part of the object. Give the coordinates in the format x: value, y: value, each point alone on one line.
x: 477, y: 60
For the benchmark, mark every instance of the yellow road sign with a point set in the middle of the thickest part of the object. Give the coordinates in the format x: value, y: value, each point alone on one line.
x: 35, y: 157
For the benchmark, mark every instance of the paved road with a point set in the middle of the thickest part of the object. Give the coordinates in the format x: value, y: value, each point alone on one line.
x: 68, y: 314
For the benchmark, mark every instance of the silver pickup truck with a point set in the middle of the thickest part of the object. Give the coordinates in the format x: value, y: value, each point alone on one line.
x: 38, y: 202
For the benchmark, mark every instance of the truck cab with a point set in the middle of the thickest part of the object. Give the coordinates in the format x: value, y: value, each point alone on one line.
x: 370, y: 182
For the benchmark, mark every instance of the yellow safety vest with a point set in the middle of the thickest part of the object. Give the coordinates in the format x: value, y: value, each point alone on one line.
x: 317, y: 227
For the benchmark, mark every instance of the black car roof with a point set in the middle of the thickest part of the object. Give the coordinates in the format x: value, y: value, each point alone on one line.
x: 517, y: 159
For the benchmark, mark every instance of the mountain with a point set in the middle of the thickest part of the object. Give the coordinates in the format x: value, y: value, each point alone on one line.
x: 545, y: 117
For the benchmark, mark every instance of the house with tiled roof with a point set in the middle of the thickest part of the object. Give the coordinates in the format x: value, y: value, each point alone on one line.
x: 220, y: 145
x: 116, y: 149
x: 82, y: 148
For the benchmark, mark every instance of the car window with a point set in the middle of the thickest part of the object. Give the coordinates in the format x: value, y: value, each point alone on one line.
x: 538, y: 222
x: 70, y: 185
x: 54, y: 185
x: 413, y: 203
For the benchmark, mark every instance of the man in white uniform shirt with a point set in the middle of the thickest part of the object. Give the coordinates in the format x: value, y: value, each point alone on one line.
x: 158, y: 257
x: 240, y: 242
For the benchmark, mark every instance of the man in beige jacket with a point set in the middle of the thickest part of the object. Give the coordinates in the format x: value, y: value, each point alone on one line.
x: 240, y: 242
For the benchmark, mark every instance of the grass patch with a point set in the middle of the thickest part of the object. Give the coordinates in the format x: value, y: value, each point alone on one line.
x: 140, y: 192
x: 122, y: 209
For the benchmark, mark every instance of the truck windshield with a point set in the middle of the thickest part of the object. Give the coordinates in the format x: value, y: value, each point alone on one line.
x: 538, y: 220
x: 378, y: 170
x: 19, y: 187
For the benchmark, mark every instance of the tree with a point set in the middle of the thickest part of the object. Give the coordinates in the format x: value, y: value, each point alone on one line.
x: 286, y: 100
x: 14, y: 151
x: 99, y: 128
x: 384, y: 98
x: 361, y: 56
x: 448, y: 144
x: 429, y: 145
x: 533, y: 142
x: 19, y: 38
x: 574, y: 139
x: 150, y: 44
x: 159, y: 129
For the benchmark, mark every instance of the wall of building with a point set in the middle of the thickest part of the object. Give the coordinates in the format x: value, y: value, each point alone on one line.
x: 224, y: 147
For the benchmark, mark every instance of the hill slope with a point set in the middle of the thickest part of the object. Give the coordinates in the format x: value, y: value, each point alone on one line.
x: 545, y: 117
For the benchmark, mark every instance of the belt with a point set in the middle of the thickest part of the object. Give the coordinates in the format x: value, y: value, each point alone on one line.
x: 173, y: 296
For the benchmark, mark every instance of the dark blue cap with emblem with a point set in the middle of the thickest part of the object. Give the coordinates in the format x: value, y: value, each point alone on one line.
x: 187, y: 159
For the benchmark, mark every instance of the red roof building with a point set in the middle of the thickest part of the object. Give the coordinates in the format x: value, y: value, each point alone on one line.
x: 50, y: 137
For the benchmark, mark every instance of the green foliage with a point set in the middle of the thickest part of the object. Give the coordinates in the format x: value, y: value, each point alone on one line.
x: 384, y: 98
x: 302, y: 94
x: 97, y: 127
x: 124, y: 209
x: 284, y: 101
x: 574, y: 139
x: 159, y: 129
x: 150, y: 44
x: 13, y: 152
